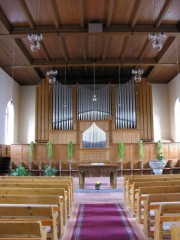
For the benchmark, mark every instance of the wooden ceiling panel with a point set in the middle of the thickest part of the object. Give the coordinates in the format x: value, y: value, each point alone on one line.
x: 54, y: 47
x: 157, y: 77
x: 75, y: 46
x: 14, y: 13
x: 96, y: 11
x: 72, y: 7
x: 115, y: 47
x: 172, y: 16
x: 41, y: 12
x: 135, y: 46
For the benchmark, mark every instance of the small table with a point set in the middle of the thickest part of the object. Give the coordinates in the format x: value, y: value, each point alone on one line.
x: 93, y: 169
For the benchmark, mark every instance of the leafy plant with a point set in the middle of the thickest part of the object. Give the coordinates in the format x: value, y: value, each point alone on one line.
x: 20, y: 170
x: 140, y: 149
x: 70, y: 150
x: 159, y: 150
x: 121, y: 150
x: 50, y: 171
x: 31, y: 150
x: 49, y: 149
x: 98, y: 184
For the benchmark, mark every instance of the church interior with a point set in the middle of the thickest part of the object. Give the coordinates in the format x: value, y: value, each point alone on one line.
x: 89, y: 116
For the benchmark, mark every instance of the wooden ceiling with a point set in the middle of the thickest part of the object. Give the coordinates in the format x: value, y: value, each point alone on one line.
x: 68, y: 43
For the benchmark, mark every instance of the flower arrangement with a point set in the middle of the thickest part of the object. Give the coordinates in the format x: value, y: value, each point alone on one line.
x: 97, y: 184
x: 50, y: 171
x: 159, y: 150
x: 20, y: 170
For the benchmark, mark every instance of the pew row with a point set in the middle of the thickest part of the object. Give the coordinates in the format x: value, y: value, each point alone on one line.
x: 152, y: 202
x: 60, y: 192
x: 166, y: 213
x: 127, y: 177
x: 13, y: 230
x: 142, y: 193
x: 46, y: 214
x: 54, y: 201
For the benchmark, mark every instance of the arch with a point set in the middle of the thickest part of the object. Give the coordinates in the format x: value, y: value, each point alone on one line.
x: 177, y: 120
x: 9, y: 123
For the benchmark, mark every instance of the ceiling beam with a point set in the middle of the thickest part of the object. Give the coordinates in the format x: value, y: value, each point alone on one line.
x: 105, y: 47
x: 21, y: 47
x: 99, y: 62
x: 122, y: 30
x: 64, y: 49
x: 110, y: 13
x: 143, y: 49
x: 45, y: 51
x: 125, y: 44
x: 167, y: 45
x: 136, y: 12
x: 55, y: 13
x: 81, y: 13
x: 25, y: 9
x: 163, y: 12
x: 5, y: 21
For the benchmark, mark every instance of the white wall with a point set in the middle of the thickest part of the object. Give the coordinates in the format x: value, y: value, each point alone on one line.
x: 160, y: 94
x: 8, y: 89
x: 174, y: 94
x: 27, y: 114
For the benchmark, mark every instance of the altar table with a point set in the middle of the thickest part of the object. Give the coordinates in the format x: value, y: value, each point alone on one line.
x: 91, y: 169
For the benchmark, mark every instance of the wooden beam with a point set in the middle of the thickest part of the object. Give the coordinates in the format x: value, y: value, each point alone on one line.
x: 5, y: 22
x: 21, y: 47
x: 81, y: 13
x: 26, y: 12
x: 64, y: 49
x: 136, y: 13
x: 143, y: 49
x: 55, y: 13
x: 110, y: 13
x: 45, y: 51
x: 163, y: 12
x: 105, y: 47
x: 167, y: 45
x: 125, y: 45
x: 115, y: 30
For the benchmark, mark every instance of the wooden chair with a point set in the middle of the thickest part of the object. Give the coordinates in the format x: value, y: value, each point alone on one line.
x: 175, y: 232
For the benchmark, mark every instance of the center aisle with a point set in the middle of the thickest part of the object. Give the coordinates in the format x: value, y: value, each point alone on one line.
x: 106, y: 195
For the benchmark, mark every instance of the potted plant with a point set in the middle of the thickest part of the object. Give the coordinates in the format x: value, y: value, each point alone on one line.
x: 20, y: 170
x: 158, y: 164
x: 97, y: 185
x: 49, y: 171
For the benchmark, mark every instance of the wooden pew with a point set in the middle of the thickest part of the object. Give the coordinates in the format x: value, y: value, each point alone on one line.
x: 22, y: 230
x: 127, y: 177
x: 142, y: 195
x: 175, y: 232
x: 46, y: 180
x: 54, y: 201
x: 165, y: 213
x: 42, y: 185
x: 46, y: 214
x: 131, y: 189
x: 60, y: 192
x: 152, y: 203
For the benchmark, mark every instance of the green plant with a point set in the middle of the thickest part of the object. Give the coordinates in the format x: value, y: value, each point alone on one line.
x: 50, y: 171
x: 49, y: 149
x: 140, y: 149
x: 159, y: 150
x: 98, y: 184
x: 70, y: 149
x: 31, y: 150
x: 121, y: 150
x: 20, y: 170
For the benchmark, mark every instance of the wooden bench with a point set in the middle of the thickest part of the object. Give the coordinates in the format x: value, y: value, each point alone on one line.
x: 165, y: 213
x: 60, y: 192
x: 175, y: 232
x: 22, y: 230
x: 142, y: 195
x: 131, y: 189
x: 54, y: 201
x: 46, y: 180
x: 153, y: 202
x: 127, y: 177
x: 46, y: 214
x: 42, y: 185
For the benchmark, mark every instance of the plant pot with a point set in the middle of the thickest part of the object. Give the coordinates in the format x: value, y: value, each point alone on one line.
x: 97, y: 187
x: 157, y: 166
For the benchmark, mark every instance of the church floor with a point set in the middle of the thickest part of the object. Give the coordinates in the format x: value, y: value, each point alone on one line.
x: 89, y: 195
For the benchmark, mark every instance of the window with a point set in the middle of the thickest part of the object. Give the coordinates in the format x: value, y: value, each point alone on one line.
x: 9, y: 123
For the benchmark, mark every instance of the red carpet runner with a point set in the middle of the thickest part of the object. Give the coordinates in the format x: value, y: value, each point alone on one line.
x: 102, y: 222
